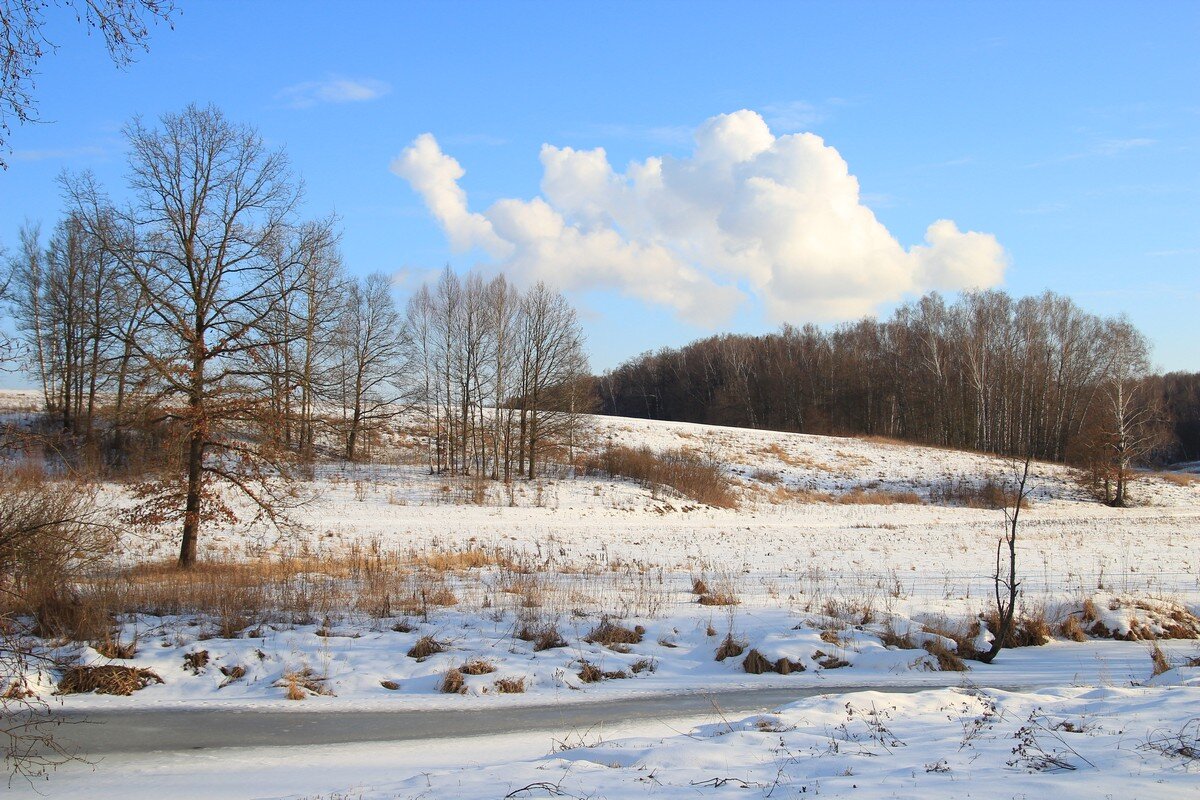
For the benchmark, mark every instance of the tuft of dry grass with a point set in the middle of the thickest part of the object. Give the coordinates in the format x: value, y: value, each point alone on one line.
x: 453, y: 682
x: 755, y: 663
x: 1158, y: 660
x: 947, y: 659
x: 301, y: 683
x: 106, y: 679
x: 827, y: 661
x: 902, y: 641
x: 425, y: 647
x: 545, y: 637
x: 1071, y: 628
x: 590, y: 673
x: 510, y: 685
x: 609, y: 633
x: 196, y: 661
x: 699, y: 586
x: 990, y: 493
x: 477, y: 666
x: 729, y: 648
x: 1178, y: 478
x: 391, y: 686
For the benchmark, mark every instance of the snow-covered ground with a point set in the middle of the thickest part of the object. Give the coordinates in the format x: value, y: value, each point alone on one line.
x: 818, y: 585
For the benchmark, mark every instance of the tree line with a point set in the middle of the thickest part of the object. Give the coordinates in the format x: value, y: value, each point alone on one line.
x: 205, y: 338
x: 984, y: 371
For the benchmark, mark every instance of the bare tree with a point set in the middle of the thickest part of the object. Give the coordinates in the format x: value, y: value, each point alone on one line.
x: 124, y: 24
x: 1132, y: 423
x: 211, y: 203
x: 371, y: 345
x: 1006, y: 585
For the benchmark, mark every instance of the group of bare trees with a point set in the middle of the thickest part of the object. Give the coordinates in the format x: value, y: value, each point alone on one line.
x: 986, y: 371
x: 498, y: 373
x: 203, y: 325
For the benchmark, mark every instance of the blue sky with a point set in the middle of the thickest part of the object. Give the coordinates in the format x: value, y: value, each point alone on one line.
x: 1068, y: 133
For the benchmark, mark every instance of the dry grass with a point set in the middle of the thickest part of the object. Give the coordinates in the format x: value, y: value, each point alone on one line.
x: 729, y: 648
x: 687, y: 472
x: 878, y: 497
x: 609, y: 633
x: 391, y: 686
x: 302, y: 683
x: 196, y: 661
x: 1178, y: 478
x: 590, y: 673
x: 1071, y: 628
x: 947, y: 660
x: 1029, y: 629
x: 106, y: 679
x: 477, y: 666
x: 453, y: 682
x: 510, y: 685
x: 545, y: 637
x: 425, y: 647
x: 756, y: 663
x: 1158, y: 660
x: 718, y: 598
x: 989, y: 493
x: 902, y: 641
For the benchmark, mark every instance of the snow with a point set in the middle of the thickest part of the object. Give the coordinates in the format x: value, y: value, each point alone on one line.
x: 812, y: 580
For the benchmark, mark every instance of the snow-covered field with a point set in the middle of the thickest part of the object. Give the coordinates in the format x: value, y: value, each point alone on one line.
x: 820, y: 586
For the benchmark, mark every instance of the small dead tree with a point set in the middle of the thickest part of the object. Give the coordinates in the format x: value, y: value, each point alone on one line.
x: 1008, y: 589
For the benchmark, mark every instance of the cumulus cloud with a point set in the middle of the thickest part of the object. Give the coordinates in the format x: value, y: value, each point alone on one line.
x: 748, y: 212
x: 333, y: 90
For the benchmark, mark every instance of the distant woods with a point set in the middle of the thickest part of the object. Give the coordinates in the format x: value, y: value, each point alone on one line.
x: 985, y: 371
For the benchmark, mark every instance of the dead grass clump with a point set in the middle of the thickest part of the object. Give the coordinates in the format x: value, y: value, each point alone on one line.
x: 699, y: 586
x: 66, y: 615
x: 902, y: 641
x: 786, y: 666
x: 767, y: 476
x: 827, y: 661
x: 830, y: 636
x: 302, y: 683
x: 196, y: 661
x: 107, y: 679
x: 755, y: 663
x: 115, y: 648
x: 643, y: 665
x: 461, y: 560
x: 453, y: 682
x: 718, y: 598
x: 878, y: 497
x: 545, y: 637
x: 686, y: 471
x: 510, y: 685
x: 425, y: 647
x: 232, y: 675
x: 729, y: 648
x: 477, y: 666
x: 1159, y: 660
x: 609, y: 633
x: 1028, y: 629
x: 947, y: 659
x: 391, y: 686
x: 590, y: 673
x: 1071, y: 628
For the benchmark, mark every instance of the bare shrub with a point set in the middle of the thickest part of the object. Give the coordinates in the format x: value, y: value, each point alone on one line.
x: 989, y: 493
x: 106, y: 679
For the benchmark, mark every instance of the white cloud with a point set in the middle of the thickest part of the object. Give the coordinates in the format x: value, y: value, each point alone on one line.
x: 778, y: 216
x: 333, y: 90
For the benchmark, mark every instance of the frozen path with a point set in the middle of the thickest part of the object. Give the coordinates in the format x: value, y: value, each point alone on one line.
x: 101, y: 733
